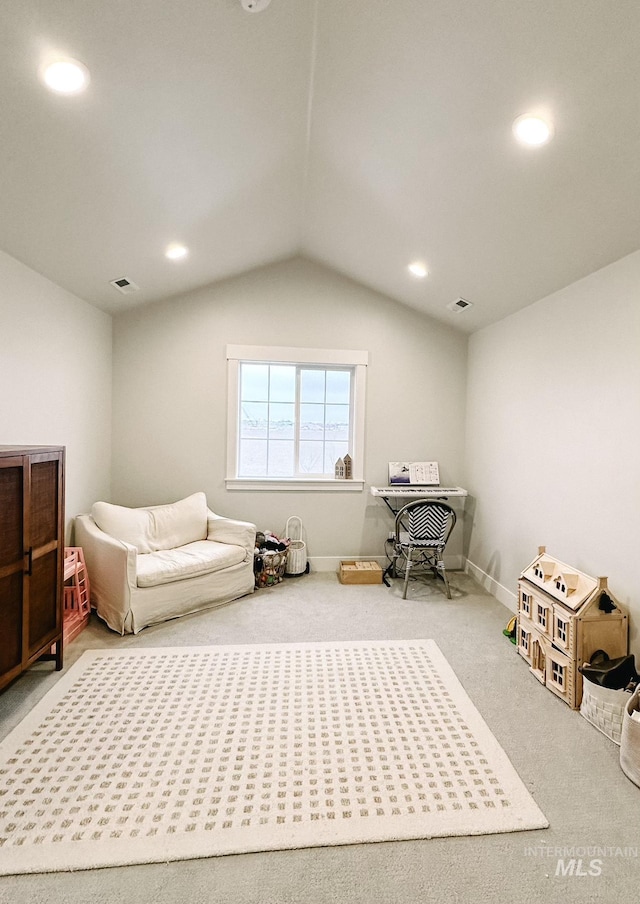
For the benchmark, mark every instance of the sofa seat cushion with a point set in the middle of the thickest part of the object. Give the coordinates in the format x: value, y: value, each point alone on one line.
x: 187, y: 561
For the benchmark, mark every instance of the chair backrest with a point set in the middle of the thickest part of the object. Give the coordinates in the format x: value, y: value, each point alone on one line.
x: 429, y: 521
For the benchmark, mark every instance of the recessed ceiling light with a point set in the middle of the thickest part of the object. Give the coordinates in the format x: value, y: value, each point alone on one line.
x: 255, y: 6
x: 418, y: 269
x: 176, y: 252
x: 65, y: 76
x: 532, y: 130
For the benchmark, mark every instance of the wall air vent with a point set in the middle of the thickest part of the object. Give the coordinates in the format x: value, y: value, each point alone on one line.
x: 124, y: 285
x: 459, y: 304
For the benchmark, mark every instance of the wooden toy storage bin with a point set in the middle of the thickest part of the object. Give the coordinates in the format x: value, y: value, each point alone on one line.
x: 353, y: 572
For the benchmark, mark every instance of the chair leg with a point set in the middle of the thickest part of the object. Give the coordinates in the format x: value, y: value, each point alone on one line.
x: 407, y: 569
x: 443, y: 573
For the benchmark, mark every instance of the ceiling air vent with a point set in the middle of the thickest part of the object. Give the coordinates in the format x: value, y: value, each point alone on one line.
x: 460, y: 304
x: 124, y: 285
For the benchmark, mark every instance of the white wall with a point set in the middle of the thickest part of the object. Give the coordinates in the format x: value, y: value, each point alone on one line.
x: 55, y: 374
x: 170, y: 395
x: 553, y: 435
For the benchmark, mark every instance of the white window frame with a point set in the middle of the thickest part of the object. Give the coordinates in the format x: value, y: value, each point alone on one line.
x: 358, y: 360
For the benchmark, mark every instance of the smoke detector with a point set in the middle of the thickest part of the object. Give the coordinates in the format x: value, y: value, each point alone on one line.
x: 124, y: 285
x: 459, y: 304
x: 254, y: 6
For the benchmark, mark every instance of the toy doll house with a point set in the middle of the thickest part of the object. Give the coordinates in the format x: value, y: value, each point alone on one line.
x: 564, y: 616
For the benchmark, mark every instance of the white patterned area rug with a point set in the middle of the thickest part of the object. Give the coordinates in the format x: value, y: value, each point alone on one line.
x: 151, y: 755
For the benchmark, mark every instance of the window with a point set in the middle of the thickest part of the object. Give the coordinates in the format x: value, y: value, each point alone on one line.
x: 295, y: 419
x: 557, y: 674
x: 292, y: 414
x: 561, y: 629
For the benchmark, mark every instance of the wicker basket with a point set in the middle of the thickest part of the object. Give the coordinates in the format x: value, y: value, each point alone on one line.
x: 269, y: 568
x: 630, y: 740
x: 297, y: 552
x: 604, y: 708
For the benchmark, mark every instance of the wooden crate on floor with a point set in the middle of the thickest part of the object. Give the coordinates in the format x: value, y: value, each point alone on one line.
x: 352, y: 572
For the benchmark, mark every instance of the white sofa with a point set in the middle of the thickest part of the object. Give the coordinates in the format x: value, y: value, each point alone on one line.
x: 147, y: 565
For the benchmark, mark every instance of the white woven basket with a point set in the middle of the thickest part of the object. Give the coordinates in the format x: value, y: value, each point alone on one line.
x: 630, y: 741
x: 604, y: 708
x: 297, y: 550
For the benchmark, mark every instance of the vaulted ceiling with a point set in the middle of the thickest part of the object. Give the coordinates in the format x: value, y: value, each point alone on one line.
x: 365, y: 134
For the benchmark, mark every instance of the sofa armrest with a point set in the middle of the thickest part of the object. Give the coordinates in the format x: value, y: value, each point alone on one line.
x: 228, y: 530
x: 111, y: 565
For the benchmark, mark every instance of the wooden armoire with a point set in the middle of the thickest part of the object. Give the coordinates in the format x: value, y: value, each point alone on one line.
x: 31, y: 557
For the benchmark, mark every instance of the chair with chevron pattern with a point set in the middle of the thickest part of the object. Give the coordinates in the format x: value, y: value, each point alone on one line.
x: 422, y: 530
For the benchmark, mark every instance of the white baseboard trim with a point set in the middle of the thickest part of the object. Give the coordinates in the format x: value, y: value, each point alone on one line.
x: 332, y: 563
x: 505, y: 596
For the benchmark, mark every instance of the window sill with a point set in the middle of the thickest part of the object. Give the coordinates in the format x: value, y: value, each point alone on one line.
x: 294, y: 484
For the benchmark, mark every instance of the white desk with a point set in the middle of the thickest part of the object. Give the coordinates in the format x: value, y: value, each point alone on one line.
x: 404, y: 493
x: 403, y: 490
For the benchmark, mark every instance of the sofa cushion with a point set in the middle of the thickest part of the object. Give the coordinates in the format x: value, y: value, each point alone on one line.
x: 155, y: 527
x: 187, y: 561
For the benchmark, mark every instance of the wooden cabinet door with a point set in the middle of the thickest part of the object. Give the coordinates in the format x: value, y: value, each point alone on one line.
x: 12, y: 565
x: 45, y: 551
x: 31, y: 557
